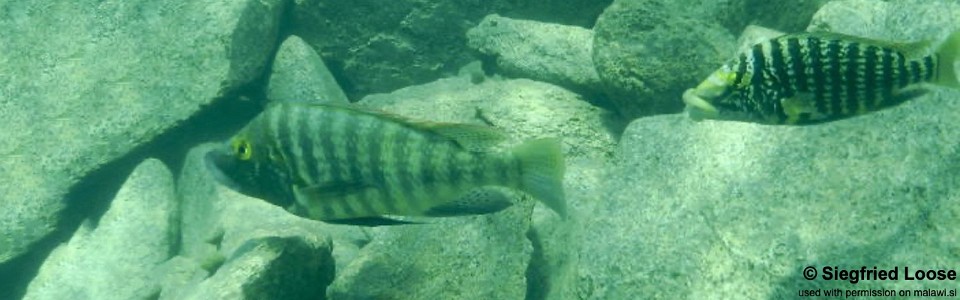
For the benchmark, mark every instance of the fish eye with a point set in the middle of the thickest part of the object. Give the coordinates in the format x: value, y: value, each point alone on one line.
x: 243, y: 150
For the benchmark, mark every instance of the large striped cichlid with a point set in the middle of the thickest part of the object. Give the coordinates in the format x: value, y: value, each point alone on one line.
x: 343, y: 164
x: 811, y: 78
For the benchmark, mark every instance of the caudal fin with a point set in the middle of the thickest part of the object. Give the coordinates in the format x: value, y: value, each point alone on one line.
x: 542, y: 166
x: 949, y: 51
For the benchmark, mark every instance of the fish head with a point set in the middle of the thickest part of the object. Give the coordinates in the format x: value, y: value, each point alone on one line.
x: 719, y: 97
x: 247, y: 166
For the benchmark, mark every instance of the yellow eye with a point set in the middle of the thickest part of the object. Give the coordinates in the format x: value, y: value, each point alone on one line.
x: 242, y: 149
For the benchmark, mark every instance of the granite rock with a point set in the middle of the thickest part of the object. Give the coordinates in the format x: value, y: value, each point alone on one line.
x: 293, y: 267
x: 377, y: 46
x: 84, y: 82
x: 558, y: 54
x: 299, y: 74
x: 738, y: 210
x: 117, y: 256
x: 648, y: 52
x: 900, y: 21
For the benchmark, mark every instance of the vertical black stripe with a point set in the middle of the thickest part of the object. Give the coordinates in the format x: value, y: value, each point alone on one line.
x: 870, y: 77
x: 375, y: 162
x: 505, y: 170
x: 332, y: 125
x: 454, y: 171
x: 354, y: 135
x: 933, y: 72
x: 813, y: 52
x: 903, y: 74
x: 915, y: 72
x: 797, y: 64
x: 889, y: 77
x: 427, y: 174
x: 780, y: 68
x: 835, y: 75
x: 741, y: 70
x: 283, y: 135
x: 351, y: 139
x: 308, y: 159
x: 517, y: 167
x: 853, y: 78
x: 401, y: 167
x: 479, y: 169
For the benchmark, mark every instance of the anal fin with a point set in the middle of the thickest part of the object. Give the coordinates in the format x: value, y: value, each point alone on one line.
x: 477, y: 201
x: 370, y: 221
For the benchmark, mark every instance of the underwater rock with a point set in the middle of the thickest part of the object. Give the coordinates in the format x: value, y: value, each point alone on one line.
x: 553, y: 53
x: 784, y: 15
x: 489, y: 256
x: 647, y: 54
x: 737, y: 210
x: 901, y: 21
x: 582, y: 13
x: 117, y: 256
x: 381, y: 45
x: 377, y: 46
x: 217, y: 220
x: 270, y: 268
x: 87, y: 81
x: 477, y: 257
x: 299, y: 74
x: 177, y: 273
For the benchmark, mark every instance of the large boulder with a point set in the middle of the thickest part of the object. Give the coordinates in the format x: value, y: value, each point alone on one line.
x: 899, y: 21
x: 87, y: 81
x: 648, y: 52
x: 377, y: 46
x: 293, y: 267
x: 739, y: 210
x: 299, y: 74
x: 554, y: 53
x: 119, y: 255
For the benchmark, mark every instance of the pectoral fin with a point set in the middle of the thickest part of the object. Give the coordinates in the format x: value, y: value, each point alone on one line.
x: 478, y: 201
x: 473, y: 138
x: 799, y: 108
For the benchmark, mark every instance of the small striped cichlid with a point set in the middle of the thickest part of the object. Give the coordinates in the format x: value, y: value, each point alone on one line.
x: 811, y: 78
x: 343, y: 164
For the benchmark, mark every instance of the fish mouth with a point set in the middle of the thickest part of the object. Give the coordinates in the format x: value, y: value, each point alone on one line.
x: 697, y: 107
x: 212, y: 161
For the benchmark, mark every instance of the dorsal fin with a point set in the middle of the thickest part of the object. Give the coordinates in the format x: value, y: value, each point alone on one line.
x: 475, y: 138
x: 910, y: 50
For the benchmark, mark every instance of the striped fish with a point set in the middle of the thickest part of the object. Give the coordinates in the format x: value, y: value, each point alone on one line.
x: 811, y: 78
x: 342, y: 164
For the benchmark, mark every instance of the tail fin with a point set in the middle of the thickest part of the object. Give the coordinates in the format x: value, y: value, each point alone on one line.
x: 541, y: 165
x: 949, y: 51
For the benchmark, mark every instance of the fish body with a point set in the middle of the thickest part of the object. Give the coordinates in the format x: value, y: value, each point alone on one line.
x: 342, y: 164
x: 810, y: 78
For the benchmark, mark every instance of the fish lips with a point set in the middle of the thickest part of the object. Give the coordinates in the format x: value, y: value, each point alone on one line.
x: 697, y: 107
x: 216, y: 161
